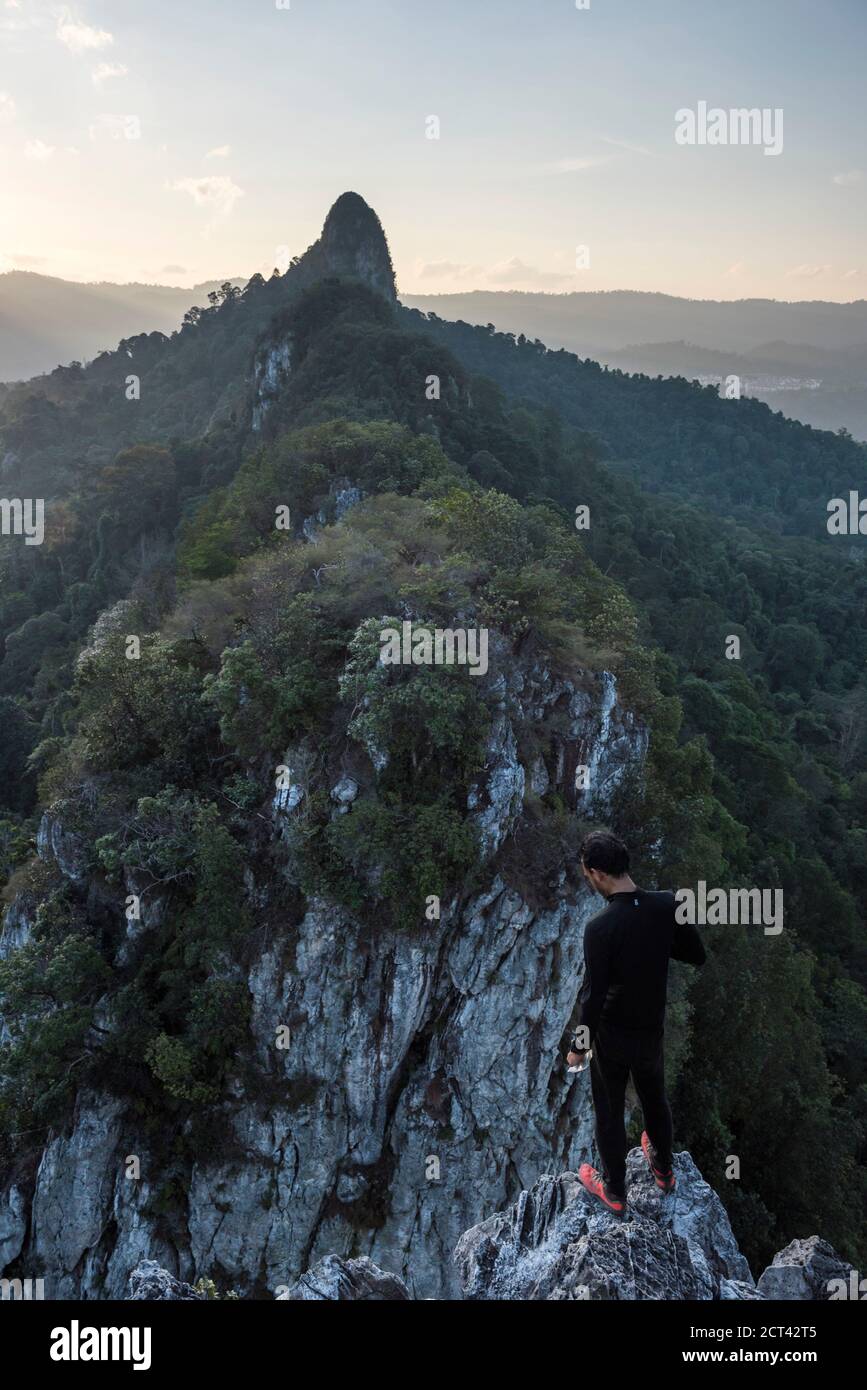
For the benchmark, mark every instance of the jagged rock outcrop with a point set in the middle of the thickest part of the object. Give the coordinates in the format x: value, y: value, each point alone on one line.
x: 17, y: 928
x: 806, y: 1269
x: 353, y: 245
x: 423, y: 1083
x: 557, y: 1242
x: 270, y: 373
x: 149, y: 1281
x: 13, y: 1224
x: 342, y: 497
x: 57, y: 844
x: 334, y: 1280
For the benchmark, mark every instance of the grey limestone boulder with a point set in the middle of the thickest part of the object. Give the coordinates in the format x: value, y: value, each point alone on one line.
x: 150, y: 1282
x: 806, y: 1269
x: 333, y: 1280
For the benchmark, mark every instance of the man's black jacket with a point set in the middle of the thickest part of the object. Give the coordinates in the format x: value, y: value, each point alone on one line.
x: 627, y: 947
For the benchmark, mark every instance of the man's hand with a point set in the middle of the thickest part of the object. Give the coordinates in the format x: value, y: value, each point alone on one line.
x: 575, y: 1059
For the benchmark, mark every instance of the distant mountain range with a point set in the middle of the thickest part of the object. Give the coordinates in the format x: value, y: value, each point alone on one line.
x: 609, y: 320
x: 46, y: 321
x: 807, y: 359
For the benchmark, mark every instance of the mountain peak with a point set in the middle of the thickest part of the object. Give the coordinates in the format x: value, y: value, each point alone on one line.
x: 351, y: 205
x: 353, y: 243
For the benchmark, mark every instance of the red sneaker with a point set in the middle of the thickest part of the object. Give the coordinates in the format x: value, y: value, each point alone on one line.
x: 664, y: 1180
x: 596, y: 1186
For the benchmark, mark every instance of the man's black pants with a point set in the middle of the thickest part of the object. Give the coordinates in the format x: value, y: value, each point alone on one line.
x: 617, y: 1053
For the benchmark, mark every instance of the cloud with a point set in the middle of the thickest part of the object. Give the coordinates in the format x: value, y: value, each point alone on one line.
x: 18, y: 258
x: 79, y: 37
x: 7, y: 107
x: 216, y: 191
x: 103, y: 71
x: 570, y: 166
x: 221, y: 152
x: 850, y: 274
x: 736, y: 268
x: 626, y: 145
x: 15, y: 21
x: 113, y: 126
x: 517, y: 272
x: 38, y: 150
x: 807, y: 272
x: 444, y: 270
x: 513, y: 272
x: 850, y: 177
x: 173, y: 270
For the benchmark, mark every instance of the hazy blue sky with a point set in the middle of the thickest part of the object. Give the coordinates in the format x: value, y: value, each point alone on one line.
x: 557, y: 131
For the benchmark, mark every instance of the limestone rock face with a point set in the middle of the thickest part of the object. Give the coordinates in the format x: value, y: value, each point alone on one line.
x: 343, y: 495
x: 557, y: 1243
x: 55, y: 842
x: 423, y: 1084
x: 13, y: 1224
x: 271, y: 371
x: 16, y: 931
x: 17, y: 928
x: 497, y: 807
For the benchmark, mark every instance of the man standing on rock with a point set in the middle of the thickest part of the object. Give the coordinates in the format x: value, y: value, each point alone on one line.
x: 627, y: 947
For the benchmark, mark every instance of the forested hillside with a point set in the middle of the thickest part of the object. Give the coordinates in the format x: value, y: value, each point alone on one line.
x: 312, y: 392
x: 736, y: 459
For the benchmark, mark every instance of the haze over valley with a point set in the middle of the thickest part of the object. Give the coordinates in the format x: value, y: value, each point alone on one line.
x: 805, y: 358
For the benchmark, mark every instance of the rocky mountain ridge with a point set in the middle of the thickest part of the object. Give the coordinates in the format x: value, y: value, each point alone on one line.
x: 556, y: 1243
x: 420, y: 1083
x: 424, y: 1079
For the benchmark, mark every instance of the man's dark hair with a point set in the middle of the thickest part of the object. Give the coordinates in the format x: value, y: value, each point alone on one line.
x: 606, y: 852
